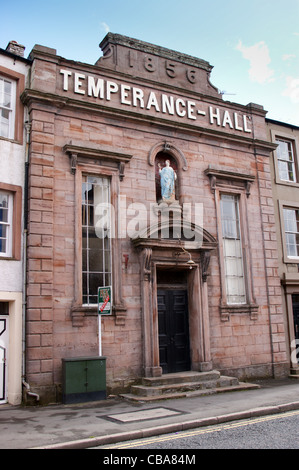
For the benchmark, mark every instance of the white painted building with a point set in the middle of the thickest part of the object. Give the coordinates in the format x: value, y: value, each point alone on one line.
x: 14, y: 69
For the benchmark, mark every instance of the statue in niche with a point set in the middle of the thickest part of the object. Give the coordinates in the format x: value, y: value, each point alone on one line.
x: 168, y: 178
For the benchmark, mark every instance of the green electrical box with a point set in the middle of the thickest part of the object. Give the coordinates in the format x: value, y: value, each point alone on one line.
x: 84, y: 379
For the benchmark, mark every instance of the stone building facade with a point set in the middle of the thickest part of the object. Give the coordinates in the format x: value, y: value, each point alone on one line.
x: 14, y: 70
x: 285, y: 181
x: 190, y: 252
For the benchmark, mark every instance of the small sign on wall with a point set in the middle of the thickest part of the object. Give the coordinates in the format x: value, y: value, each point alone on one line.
x: 104, y: 300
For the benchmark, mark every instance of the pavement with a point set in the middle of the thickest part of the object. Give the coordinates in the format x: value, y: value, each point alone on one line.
x: 88, y: 425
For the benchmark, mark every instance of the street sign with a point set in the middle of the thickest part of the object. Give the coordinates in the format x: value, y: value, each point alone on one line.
x: 104, y: 308
x: 104, y: 300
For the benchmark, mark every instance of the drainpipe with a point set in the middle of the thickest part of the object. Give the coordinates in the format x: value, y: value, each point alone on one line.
x: 31, y: 394
x: 26, y: 385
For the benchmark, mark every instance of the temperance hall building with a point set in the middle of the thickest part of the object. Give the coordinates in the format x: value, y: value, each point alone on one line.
x: 144, y: 180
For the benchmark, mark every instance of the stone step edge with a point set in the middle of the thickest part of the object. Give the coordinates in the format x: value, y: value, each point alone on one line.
x: 189, y: 394
x: 181, y: 377
x: 183, y: 386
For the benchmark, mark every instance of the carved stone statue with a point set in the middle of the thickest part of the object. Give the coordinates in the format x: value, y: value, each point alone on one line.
x: 167, y: 178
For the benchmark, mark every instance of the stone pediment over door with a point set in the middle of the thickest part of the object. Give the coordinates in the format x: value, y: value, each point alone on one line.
x: 181, y: 244
x: 172, y: 233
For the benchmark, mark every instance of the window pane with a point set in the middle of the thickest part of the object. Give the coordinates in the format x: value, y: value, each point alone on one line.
x: 7, y: 105
x: 291, y: 175
x: 96, y: 251
x: 4, y: 123
x: 285, y: 160
x: 5, y: 93
x: 6, y: 201
x: 3, y: 236
x: 3, y: 207
x: 2, y: 245
x: 232, y: 250
x: 95, y: 281
x: 283, y: 150
x: 229, y: 215
x: 107, y: 261
x: 283, y: 170
x: 84, y: 288
x: 95, y: 260
x: 291, y: 244
x: 7, y: 100
x: 291, y: 224
x: 108, y: 281
x: 84, y: 260
x: 290, y: 220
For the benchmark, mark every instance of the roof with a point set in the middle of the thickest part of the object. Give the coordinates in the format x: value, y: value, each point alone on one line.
x: 280, y: 123
x: 14, y: 56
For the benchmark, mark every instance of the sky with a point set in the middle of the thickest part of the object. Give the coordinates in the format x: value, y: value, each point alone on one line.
x: 253, y: 45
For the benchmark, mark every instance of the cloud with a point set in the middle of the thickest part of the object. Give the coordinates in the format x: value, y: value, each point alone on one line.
x: 292, y: 89
x: 259, y: 58
x: 288, y: 56
x: 105, y: 27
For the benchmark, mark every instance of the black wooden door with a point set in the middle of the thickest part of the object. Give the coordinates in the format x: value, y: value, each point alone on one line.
x: 174, y: 345
x: 295, y: 299
x: 296, y: 314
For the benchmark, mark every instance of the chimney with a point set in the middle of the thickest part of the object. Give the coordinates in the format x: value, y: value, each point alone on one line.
x: 14, y: 48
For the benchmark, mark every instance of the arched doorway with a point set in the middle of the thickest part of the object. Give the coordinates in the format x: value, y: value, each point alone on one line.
x: 169, y: 283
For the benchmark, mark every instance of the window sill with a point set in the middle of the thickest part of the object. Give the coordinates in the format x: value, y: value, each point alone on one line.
x: 249, y: 309
x: 12, y: 140
x: 295, y: 184
x: 79, y: 312
x: 290, y: 260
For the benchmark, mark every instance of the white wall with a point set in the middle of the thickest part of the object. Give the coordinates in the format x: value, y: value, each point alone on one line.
x: 12, y: 165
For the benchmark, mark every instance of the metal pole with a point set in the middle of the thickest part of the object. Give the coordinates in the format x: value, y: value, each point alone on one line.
x: 100, y: 335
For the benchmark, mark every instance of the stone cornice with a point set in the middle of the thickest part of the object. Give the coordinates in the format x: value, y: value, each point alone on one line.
x: 30, y: 96
x: 76, y: 153
x: 96, y: 153
x: 224, y: 173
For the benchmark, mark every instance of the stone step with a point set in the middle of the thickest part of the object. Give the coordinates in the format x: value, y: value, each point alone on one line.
x: 189, y: 394
x: 181, y: 377
x: 184, y: 384
x: 167, y: 387
x: 294, y: 372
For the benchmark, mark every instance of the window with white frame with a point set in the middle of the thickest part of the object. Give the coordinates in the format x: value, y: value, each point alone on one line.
x: 291, y: 225
x: 6, y: 209
x: 96, y: 237
x: 7, y: 107
x: 232, y: 250
x: 286, y: 160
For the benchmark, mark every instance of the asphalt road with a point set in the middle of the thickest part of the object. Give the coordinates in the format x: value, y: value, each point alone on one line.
x: 267, y: 432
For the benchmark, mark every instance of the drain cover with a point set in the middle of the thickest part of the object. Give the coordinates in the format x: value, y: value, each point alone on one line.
x: 143, y: 415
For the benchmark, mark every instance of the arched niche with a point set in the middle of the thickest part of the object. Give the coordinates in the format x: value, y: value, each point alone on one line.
x: 160, y: 163
x: 158, y: 155
x: 171, y: 150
